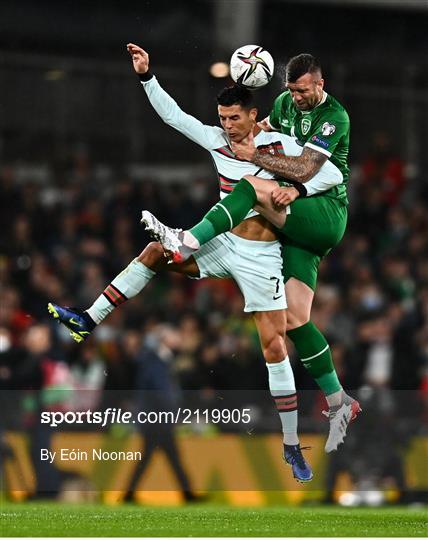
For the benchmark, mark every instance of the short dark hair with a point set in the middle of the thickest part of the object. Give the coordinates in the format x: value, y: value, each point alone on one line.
x: 299, y: 65
x: 236, y: 95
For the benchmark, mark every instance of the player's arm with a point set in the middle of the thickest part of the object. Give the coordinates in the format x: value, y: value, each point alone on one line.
x: 297, y: 168
x: 166, y: 107
x: 328, y: 175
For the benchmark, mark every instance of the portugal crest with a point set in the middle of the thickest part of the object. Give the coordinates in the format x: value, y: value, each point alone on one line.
x: 305, y: 125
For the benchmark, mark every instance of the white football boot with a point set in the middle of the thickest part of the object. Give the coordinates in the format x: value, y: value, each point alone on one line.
x: 171, y: 239
x: 339, y: 418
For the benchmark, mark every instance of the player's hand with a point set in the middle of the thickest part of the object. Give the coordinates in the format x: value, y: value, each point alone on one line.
x: 264, y: 124
x: 245, y: 149
x: 283, y: 196
x: 140, y: 58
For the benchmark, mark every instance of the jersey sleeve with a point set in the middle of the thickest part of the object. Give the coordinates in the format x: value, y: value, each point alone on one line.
x: 328, y: 131
x: 209, y: 137
x: 327, y: 177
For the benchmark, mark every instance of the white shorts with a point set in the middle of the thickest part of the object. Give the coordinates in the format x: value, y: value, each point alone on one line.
x: 255, y: 266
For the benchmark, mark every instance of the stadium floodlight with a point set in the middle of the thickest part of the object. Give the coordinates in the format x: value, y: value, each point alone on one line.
x: 219, y: 70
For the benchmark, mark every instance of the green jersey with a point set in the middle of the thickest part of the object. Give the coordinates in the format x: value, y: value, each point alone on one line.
x: 325, y: 129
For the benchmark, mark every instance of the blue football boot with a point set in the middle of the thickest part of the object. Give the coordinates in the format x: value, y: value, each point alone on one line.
x: 78, y: 322
x: 302, y: 471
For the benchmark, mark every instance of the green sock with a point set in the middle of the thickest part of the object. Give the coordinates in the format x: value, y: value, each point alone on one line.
x: 314, y: 352
x: 227, y: 213
x: 203, y: 231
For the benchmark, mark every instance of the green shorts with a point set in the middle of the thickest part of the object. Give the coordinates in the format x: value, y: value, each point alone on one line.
x: 313, y: 228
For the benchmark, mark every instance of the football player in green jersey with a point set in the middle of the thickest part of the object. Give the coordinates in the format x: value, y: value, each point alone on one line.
x: 311, y: 227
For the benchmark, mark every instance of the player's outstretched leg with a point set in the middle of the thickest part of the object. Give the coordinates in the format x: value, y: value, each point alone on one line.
x: 130, y: 282
x: 223, y: 216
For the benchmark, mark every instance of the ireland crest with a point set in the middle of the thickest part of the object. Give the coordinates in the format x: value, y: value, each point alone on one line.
x: 305, y: 125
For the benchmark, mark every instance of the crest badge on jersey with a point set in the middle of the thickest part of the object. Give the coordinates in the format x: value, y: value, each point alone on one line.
x: 328, y: 129
x: 305, y: 125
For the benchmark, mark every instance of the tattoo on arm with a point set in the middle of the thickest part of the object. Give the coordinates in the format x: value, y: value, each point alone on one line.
x: 299, y: 168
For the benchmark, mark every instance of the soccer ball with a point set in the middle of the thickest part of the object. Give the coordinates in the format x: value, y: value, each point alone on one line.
x: 251, y: 66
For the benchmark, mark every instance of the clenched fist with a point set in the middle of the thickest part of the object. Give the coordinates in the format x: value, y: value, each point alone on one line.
x: 140, y: 58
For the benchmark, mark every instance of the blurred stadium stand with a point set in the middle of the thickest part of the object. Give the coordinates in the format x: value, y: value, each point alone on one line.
x: 82, y: 153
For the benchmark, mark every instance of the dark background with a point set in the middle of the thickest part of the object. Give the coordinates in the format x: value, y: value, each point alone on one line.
x: 81, y: 153
x: 66, y: 78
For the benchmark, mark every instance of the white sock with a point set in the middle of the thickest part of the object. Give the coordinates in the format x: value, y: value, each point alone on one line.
x: 283, y: 390
x: 190, y: 241
x: 127, y: 284
x: 335, y: 399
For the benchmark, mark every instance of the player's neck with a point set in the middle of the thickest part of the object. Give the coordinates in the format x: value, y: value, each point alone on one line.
x: 256, y: 130
x: 322, y: 98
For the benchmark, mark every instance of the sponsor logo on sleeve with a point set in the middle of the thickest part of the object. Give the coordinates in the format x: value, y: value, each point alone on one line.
x: 320, y: 141
x: 328, y: 129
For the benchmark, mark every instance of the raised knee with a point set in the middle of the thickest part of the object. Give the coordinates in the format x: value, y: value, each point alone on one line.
x: 294, y: 320
x: 249, y: 178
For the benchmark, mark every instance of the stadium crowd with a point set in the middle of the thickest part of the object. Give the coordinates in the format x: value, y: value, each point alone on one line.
x: 68, y: 237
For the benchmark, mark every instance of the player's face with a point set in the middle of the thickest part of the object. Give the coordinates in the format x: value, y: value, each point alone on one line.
x: 307, y: 91
x: 236, y: 121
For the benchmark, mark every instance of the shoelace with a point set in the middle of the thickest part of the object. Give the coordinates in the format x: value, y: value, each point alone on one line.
x: 343, y: 422
x: 298, y: 456
x: 159, y: 228
x: 167, y: 254
x: 331, y: 414
x: 162, y: 227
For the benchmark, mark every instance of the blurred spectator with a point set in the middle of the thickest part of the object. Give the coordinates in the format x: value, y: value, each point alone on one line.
x: 156, y: 391
x: 68, y: 237
x: 52, y: 392
x: 384, y: 169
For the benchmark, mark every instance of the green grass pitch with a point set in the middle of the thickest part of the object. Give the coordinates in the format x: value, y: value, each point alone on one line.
x: 54, y: 519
